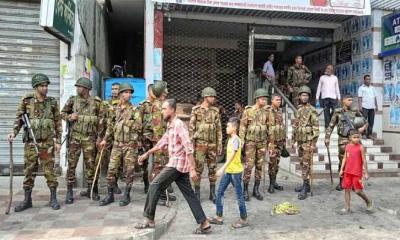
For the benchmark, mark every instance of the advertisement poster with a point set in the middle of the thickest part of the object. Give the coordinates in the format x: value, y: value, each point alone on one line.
x: 365, y: 23
x: 391, y: 88
x: 356, y: 46
x: 367, y: 42
x: 344, y: 7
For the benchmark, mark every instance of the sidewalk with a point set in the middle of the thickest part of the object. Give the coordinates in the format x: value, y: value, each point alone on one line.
x: 82, y: 220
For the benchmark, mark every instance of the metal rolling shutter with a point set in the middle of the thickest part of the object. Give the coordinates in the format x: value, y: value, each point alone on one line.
x: 25, y: 49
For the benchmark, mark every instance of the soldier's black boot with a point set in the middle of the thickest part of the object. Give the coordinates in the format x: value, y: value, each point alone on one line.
x: 271, y: 188
x: 86, y: 193
x: 303, y: 194
x: 109, y: 198
x: 69, y: 199
x: 27, y: 203
x: 212, y: 194
x: 276, y: 185
x: 126, y: 199
x: 53, y: 199
x: 339, y: 186
x: 197, y: 192
x: 117, y: 190
x: 246, y: 192
x: 146, y: 183
x: 256, y: 192
x: 299, y: 188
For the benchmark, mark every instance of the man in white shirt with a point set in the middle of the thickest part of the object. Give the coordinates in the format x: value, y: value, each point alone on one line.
x: 329, y: 93
x: 268, y: 69
x: 367, y: 103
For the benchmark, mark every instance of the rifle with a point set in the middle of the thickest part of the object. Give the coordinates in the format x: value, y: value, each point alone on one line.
x: 28, y: 126
x: 67, y: 140
x: 11, y: 180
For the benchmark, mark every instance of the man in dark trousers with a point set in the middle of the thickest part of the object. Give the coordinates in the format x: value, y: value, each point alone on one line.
x: 179, y: 169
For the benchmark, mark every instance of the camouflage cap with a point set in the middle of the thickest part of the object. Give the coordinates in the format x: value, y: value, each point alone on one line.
x: 159, y: 88
x: 84, y: 82
x: 39, y: 78
x: 124, y: 87
x: 261, y: 92
x: 208, y: 92
x: 304, y: 89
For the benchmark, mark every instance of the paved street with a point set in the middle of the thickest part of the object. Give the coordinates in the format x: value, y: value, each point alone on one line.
x: 318, y: 218
x: 82, y: 220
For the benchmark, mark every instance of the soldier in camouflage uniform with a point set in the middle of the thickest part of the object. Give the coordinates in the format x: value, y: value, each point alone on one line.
x: 45, y: 119
x: 106, y: 110
x: 338, y: 119
x: 276, y: 140
x: 82, y: 113
x: 298, y: 75
x: 147, y: 131
x: 124, y: 128
x: 160, y: 91
x: 253, y: 133
x: 206, y: 135
x: 305, y: 133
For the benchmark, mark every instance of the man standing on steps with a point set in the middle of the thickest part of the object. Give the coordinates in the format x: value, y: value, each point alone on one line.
x: 305, y: 134
x: 298, y: 75
x: 328, y: 90
x: 107, y: 110
x: 345, y: 119
x: 367, y: 103
x: 206, y: 135
x: 125, y: 128
x: 147, y: 131
x: 45, y: 120
x: 276, y: 140
x: 253, y: 133
x: 82, y: 113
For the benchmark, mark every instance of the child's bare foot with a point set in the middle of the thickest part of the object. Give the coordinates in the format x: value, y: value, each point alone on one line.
x: 370, y: 205
x: 344, y: 211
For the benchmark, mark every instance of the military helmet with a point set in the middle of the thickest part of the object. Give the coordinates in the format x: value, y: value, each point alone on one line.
x: 304, y: 89
x: 159, y: 87
x: 358, y: 122
x: 39, y: 78
x: 261, y: 92
x: 84, y: 82
x: 124, y: 87
x: 208, y: 92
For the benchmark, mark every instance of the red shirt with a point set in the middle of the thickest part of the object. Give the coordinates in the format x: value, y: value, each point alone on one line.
x: 176, y: 139
x: 354, y: 163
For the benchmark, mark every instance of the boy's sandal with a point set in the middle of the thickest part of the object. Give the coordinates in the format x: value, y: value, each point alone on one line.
x: 201, y: 230
x: 215, y: 221
x: 144, y: 225
x: 240, y: 224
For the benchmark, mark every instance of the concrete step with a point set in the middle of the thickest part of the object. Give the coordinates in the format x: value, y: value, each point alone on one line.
x: 317, y: 166
x: 335, y: 157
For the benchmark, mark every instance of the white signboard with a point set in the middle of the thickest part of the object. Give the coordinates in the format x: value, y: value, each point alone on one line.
x: 343, y: 7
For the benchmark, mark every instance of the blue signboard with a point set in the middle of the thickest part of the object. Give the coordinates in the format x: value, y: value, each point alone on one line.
x: 139, y: 85
x: 390, y: 35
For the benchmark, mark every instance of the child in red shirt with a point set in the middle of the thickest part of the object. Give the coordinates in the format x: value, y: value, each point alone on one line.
x: 353, y: 168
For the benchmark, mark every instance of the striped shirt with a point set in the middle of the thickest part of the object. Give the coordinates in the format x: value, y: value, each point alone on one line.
x: 176, y: 140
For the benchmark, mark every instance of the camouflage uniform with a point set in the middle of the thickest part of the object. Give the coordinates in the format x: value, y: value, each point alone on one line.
x: 83, y: 134
x: 45, y: 122
x: 206, y: 134
x: 338, y: 120
x: 158, y: 130
x: 305, y: 133
x: 46, y: 125
x: 298, y: 75
x: 147, y: 131
x: 276, y: 142
x: 124, y: 127
x: 253, y: 133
